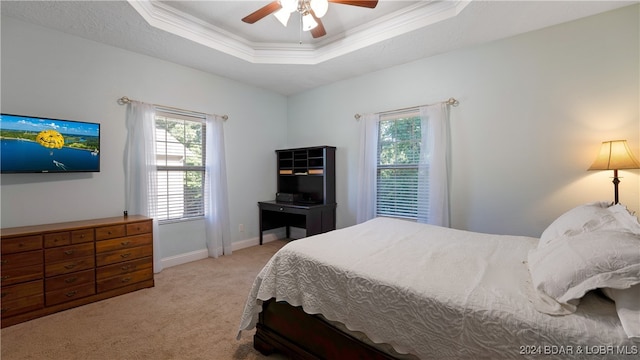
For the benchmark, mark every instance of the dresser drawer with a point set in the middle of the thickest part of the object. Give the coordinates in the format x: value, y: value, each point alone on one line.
x: 14, y: 292
x: 123, y: 243
x: 124, y: 280
x: 17, y: 260
x: 142, y: 227
x: 124, y: 268
x: 66, y: 253
x: 66, y: 267
x: 69, y: 280
x: 57, y: 239
x: 22, y: 305
x: 113, y: 257
x: 69, y: 294
x: 21, y: 274
x: 20, y: 244
x: 110, y: 232
x: 82, y: 236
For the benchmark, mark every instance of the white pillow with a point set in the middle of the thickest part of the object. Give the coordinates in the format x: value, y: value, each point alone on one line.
x: 628, y: 308
x: 563, y: 271
x: 625, y: 218
x: 580, y: 219
x: 590, y: 217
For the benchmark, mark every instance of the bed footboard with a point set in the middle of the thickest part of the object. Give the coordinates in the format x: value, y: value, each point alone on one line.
x: 289, y: 330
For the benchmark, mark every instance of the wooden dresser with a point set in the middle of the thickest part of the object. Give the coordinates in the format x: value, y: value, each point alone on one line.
x: 54, y: 267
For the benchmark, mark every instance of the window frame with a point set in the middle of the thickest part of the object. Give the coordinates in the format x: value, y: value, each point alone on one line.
x: 185, y: 117
x: 401, y: 211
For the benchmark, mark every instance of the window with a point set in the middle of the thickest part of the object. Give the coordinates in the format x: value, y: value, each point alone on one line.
x: 180, y: 155
x: 399, y: 142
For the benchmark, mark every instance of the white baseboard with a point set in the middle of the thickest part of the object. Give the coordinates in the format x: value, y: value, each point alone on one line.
x: 184, y: 258
x: 269, y: 237
x: 203, y: 254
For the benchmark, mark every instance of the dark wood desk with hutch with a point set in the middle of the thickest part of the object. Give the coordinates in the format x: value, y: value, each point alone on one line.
x: 306, y: 178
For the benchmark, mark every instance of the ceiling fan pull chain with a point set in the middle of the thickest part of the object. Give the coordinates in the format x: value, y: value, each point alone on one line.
x: 300, y: 31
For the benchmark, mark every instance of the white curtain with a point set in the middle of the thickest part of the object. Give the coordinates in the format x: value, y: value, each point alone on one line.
x: 217, y: 224
x: 367, y: 168
x: 434, y: 169
x: 140, y: 169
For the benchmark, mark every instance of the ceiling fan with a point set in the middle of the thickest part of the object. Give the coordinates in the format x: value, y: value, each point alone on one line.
x: 310, y: 10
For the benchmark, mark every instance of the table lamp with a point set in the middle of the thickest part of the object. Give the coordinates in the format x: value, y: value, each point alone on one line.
x: 615, y: 155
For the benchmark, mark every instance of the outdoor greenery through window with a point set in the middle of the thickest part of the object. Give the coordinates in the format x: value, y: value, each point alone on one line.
x: 399, y: 141
x: 180, y: 154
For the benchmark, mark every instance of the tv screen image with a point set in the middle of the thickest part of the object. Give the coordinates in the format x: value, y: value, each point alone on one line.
x: 41, y: 145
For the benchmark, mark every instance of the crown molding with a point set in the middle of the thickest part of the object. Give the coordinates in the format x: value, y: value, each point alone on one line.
x: 419, y: 15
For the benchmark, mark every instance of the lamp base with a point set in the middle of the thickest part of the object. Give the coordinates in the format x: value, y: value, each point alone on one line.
x: 615, y: 181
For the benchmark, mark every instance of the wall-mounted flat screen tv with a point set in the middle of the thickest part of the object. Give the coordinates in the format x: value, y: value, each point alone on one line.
x: 40, y: 145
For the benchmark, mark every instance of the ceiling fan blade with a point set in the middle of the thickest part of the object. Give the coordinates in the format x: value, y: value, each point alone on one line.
x: 362, y: 3
x: 319, y: 30
x: 262, y: 12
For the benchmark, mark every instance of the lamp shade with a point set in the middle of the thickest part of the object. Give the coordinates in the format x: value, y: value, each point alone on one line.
x: 615, y: 155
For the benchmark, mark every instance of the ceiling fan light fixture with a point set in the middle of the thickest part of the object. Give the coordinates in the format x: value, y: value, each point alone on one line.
x: 289, y: 5
x: 283, y: 16
x: 319, y: 7
x: 308, y: 22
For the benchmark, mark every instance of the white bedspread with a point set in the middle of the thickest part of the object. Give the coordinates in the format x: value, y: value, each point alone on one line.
x: 433, y: 292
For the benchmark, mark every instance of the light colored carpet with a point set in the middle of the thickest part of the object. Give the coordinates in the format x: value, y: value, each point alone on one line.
x: 193, y: 312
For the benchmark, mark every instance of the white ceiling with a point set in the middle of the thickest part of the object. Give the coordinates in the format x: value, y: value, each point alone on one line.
x: 210, y: 36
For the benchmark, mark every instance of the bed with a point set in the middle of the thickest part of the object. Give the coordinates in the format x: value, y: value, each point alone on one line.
x: 396, y: 289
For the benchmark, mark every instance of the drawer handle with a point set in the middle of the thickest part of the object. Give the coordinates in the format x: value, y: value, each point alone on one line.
x: 125, y: 243
x: 71, y: 293
x: 71, y: 280
x: 68, y: 252
x: 4, y: 294
x: 124, y: 256
x: 5, y: 277
x: 126, y: 267
x: 70, y: 266
x: 126, y: 280
x: 4, y: 261
x: 281, y: 209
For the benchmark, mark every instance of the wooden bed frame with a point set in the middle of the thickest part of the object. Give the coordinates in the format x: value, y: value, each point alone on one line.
x: 290, y: 331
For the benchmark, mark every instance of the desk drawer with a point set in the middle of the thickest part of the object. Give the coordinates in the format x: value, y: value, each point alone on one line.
x: 283, y: 209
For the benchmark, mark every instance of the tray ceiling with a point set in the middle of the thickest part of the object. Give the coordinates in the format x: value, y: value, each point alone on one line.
x: 210, y: 36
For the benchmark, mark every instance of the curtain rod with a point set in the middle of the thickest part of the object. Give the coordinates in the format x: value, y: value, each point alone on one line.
x: 125, y: 100
x: 450, y: 101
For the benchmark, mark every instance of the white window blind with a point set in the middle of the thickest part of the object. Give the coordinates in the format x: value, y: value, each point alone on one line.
x: 180, y: 155
x: 399, y: 143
